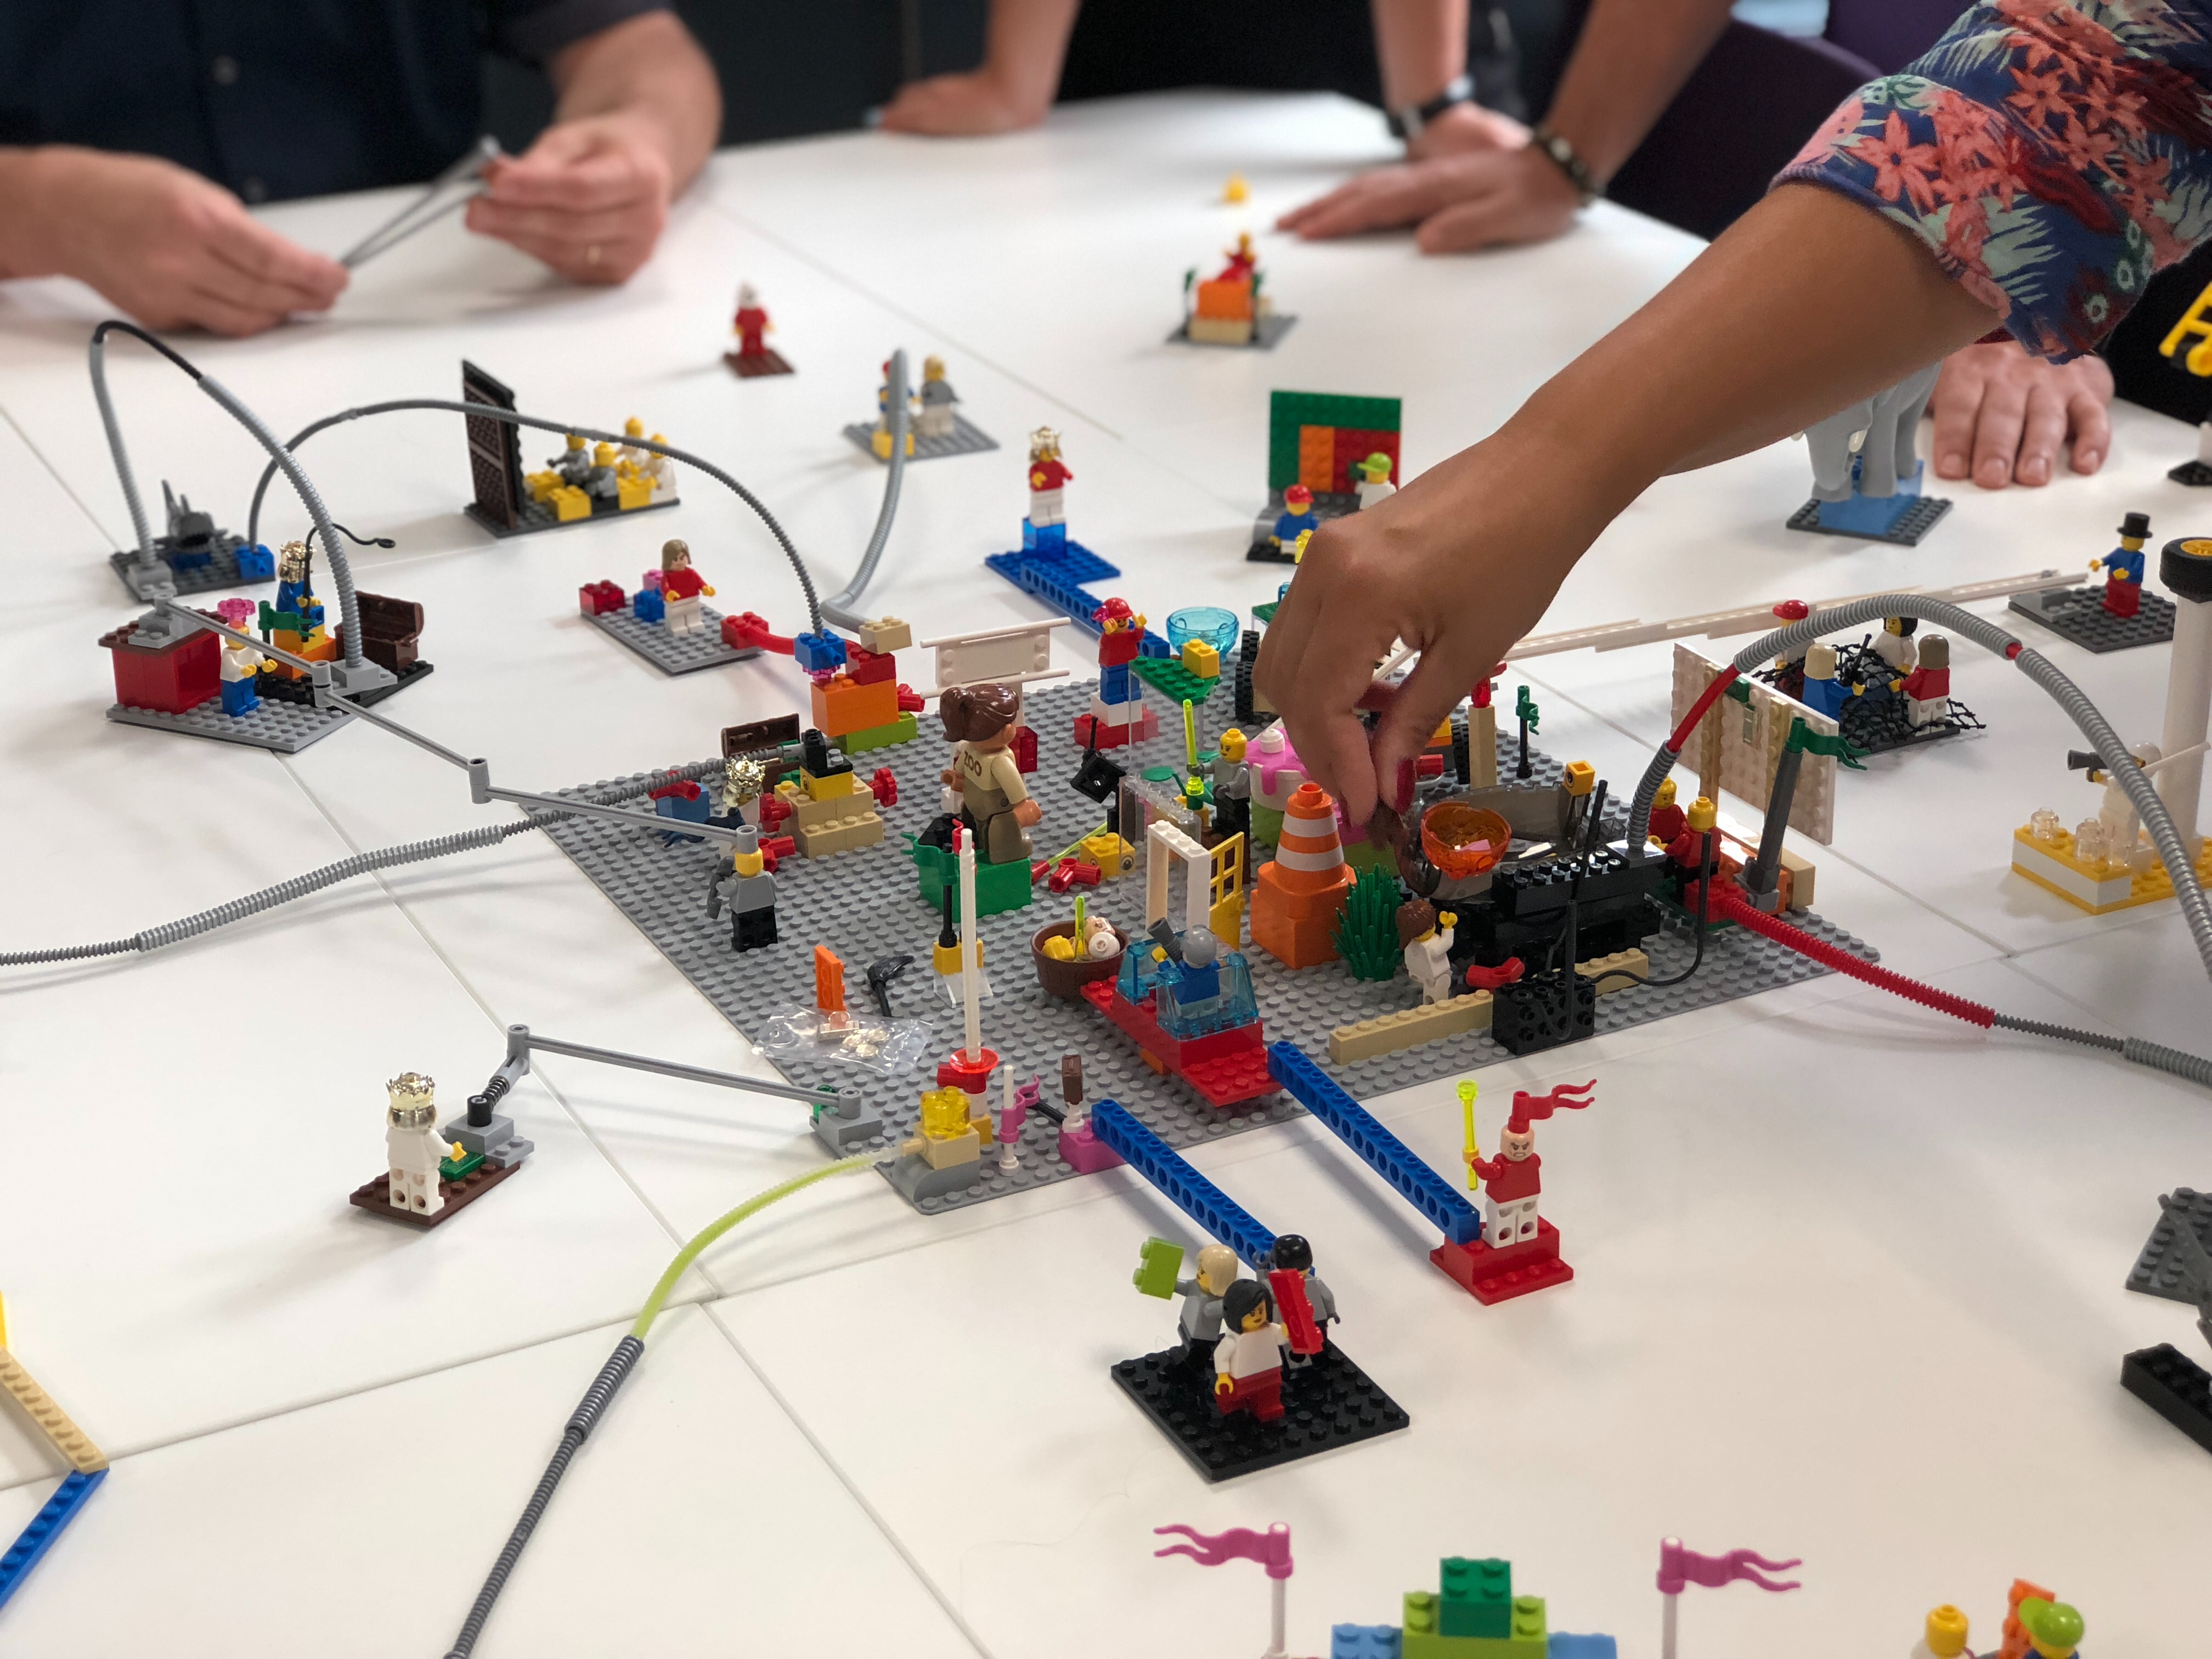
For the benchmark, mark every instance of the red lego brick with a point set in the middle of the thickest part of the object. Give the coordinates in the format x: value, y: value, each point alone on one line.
x: 865, y: 667
x: 748, y: 629
x: 1355, y: 444
x: 778, y: 847
x: 598, y: 598
x: 884, y: 787
x: 1493, y: 1276
x: 911, y: 701
x: 1025, y: 748
x: 179, y: 676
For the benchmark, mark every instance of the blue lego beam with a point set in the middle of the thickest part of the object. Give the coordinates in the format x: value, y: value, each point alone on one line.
x: 1388, y: 1156
x: 1058, y: 579
x: 1217, y: 1214
x: 47, y: 1525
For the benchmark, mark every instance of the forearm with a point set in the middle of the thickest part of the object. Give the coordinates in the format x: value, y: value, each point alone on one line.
x: 1024, y: 46
x: 1632, y: 58
x: 651, y: 71
x: 1421, y: 45
x: 26, y: 241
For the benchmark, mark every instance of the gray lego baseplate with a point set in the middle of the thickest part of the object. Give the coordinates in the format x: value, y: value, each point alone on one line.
x: 219, y: 575
x: 672, y: 654
x: 1266, y: 332
x: 967, y: 439
x: 1904, y: 530
x: 535, y: 515
x: 865, y: 904
x: 2078, y: 615
x: 2156, y: 1272
x: 285, y: 728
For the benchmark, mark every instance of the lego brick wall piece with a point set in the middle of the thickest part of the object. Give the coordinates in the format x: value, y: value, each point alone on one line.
x: 1326, y: 1404
x: 1749, y: 737
x: 1289, y: 412
x: 866, y: 904
x: 672, y: 654
x: 49, y: 1418
x: 1317, y: 458
x: 966, y: 438
x: 2158, y: 1271
x: 33, y: 1543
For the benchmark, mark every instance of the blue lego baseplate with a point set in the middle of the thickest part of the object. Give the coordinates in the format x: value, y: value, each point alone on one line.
x: 1218, y: 1215
x: 1388, y: 1156
x: 1058, y: 577
x: 35, y: 1540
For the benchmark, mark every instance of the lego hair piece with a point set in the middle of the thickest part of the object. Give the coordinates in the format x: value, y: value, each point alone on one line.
x: 675, y: 553
x: 1416, y: 917
x: 1293, y: 1252
x: 970, y: 713
x: 1241, y: 1298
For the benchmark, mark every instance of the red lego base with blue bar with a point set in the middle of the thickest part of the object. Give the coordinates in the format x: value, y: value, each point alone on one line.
x: 1388, y: 1156
x: 1058, y: 578
x: 31, y: 1546
x: 1218, y: 1215
x: 1227, y: 1067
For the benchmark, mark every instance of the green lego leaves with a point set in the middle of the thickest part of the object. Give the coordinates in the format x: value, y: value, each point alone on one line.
x: 1366, y: 934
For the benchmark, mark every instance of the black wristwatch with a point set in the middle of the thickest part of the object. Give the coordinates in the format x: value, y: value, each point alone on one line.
x: 1407, y: 123
x: 1563, y: 157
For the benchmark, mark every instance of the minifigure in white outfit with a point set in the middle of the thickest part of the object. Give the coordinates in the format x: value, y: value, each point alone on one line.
x: 1426, y: 939
x: 1374, y: 475
x: 1894, y: 644
x: 413, y: 1146
x: 2115, y: 816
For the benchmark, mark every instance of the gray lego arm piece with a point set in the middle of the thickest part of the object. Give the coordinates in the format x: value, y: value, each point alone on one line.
x: 530, y: 1042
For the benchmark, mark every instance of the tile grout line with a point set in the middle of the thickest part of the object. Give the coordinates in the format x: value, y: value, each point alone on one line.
x: 54, y: 472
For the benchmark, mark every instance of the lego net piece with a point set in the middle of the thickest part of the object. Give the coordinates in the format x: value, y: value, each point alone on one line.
x: 2077, y: 615
x: 965, y: 439
x: 1326, y: 1404
x: 864, y: 903
x: 672, y: 654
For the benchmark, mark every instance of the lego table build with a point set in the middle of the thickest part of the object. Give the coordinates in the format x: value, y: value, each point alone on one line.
x: 1781, y: 1168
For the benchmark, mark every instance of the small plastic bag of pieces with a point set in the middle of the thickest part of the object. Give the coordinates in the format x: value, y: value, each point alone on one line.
x: 850, y: 1038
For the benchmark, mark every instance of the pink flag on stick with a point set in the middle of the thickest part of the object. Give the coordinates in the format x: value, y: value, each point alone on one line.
x: 1271, y: 1548
x: 1679, y: 1568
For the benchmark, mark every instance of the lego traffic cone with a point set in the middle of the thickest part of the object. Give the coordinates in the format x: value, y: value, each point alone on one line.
x: 1302, y: 889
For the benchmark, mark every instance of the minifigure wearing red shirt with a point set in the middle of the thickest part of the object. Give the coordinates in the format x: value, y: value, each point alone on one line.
x: 1928, y: 687
x: 750, y: 322
x: 1511, y: 1180
x: 680, y: 588
x: 1243, y: 261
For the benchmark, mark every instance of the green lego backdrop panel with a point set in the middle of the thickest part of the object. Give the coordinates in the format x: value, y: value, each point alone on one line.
x: 1291, y: 414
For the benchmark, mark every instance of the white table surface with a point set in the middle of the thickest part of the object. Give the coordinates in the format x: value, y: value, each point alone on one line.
x: 1848, y: 1274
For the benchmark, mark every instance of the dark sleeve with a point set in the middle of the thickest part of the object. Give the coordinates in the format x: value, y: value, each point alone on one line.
x: 2052, y: 154
x: 533, y: 31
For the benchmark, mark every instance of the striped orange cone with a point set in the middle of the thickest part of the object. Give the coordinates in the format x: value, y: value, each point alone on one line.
x: 1301, y: 890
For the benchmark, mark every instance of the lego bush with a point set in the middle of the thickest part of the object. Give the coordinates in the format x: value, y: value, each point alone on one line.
x: 1367, y: 931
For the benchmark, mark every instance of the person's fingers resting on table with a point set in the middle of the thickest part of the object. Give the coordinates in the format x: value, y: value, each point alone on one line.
x: 961, y: 106
x: 161, y: 243
x: 590, y: 198
x: 2006, y: 414
x: 1474, y: 199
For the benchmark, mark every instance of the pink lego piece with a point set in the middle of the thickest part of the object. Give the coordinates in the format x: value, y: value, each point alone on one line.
x: 1083, y: 1152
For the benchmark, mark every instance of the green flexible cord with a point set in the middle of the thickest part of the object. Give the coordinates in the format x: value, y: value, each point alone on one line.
x: 715, y: 1229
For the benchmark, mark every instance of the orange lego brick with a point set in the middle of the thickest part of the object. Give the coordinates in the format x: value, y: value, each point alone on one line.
x: 844, y: 705
x: 1226, y: 302
x: 1317, y: 457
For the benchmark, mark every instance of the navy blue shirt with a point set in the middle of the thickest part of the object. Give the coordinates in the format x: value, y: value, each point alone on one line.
x: 274, y: 98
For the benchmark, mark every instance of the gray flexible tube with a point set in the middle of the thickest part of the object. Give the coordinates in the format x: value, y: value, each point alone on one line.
x: 838, y: 607
x: 99, y: 354
x: 491, y: 413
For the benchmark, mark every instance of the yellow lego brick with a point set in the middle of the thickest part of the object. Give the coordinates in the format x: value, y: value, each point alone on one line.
x: 1199, y: 658
x: 829, y: 787
x: 1386, y: 1034
x: 1219, y: 331
x: 2098, y: 885
x: 48, y: 1419
x: 886, y: 633
x: 1113, y: 855
x: 1580, y: 777
x: 568, y: 503
x: 542, y: 485
x: 633, y: 491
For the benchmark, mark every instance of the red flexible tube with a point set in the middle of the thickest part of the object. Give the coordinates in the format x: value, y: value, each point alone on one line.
x: 1732, y: 906
x: 1698, y: 709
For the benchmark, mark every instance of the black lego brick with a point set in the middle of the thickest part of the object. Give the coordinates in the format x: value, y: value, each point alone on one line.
x: 1328, y: 1404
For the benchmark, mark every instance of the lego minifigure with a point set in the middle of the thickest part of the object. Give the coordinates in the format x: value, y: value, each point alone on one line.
x: 1242, y: 260
x: 1823, y: 691
x: 2124, y: 567
x: 1425, y: 937
x: 1512, y: 1181
x: 2053, y: 1628
x: 994, y: 801
x: 1296, y: 517
x: 630, y: 454
x: 242, y: 663
x: 1667, y: 820
x: 1046, y: 528
x: 1927, y: 688
x: 2121, y: 830
x: 742, y: 881
x: 1200, y: 1322
x: 680, y: 588
x: 937, y: 399
x: 414, y: 1148
x: 879, y: 440
x: 573, y: 463
x: 1294, y: 1255
x: 1247, y: 1362
x: 1893, y: 645
x: 751, y: 324
x: 1232, y: 788
x: 294, y: 621
x: 659, y: 470
x: 1374, y: 479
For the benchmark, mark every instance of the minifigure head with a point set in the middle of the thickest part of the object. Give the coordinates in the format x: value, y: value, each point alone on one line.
x: 602, y: 455
x: 1292, y: 1251
x: 1244, y: 243
x: 292, y: 562
x: 1044, y: 444
x: 1820, y: 662
x: 932, y: 368
x: 1232, y: 744
x: 982, y: 715
x: 414, y: 1101
x: 234, y: 612
x: 674, y: 556
x: 575, y: 445
x: 1900, y: 626
x: 1298, y: 498
x: 1375, y: 469
x: 1246, y: 1306
x: 1946, y: 1632
x: 745, y: 853
x: 2134, y: 529
x: 633, y: 427
x: 1101, y: 942
x: 747, y: 296
x: 1113, y: 616
x: 659, y: 438
x: 1416, y: 920
x: 1216, y: 1269
x: 1200, y: 948
x: 1935, y: 652
x: 1666, y: 795
x: 1703, y: 814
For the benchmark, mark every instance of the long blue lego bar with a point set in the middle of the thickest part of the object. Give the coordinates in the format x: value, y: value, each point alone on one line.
x: 46, y: 1526
x: 1388, y: 1156
x: 1058, y: 579
x: 1219, y: 1215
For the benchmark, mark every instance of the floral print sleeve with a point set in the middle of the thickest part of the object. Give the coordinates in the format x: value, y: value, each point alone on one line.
x: 2053, y: 154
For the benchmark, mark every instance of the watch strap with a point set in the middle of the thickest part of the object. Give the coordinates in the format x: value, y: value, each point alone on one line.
x: 1407, y: 123
x: 1564, y: 157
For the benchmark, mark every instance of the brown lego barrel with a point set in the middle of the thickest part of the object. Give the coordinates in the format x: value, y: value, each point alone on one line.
x: 1065, y: 980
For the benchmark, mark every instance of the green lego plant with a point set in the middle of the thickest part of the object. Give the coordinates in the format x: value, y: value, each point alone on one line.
x: 1366, y: 934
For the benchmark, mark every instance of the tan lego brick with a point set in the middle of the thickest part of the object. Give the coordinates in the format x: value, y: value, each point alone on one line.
x: 50, y: 1419
x: 1386, y: 1034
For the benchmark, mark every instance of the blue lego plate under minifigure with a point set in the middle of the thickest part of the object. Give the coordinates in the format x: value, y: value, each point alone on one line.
x: 1901, y: 519
x: 1057, y: 574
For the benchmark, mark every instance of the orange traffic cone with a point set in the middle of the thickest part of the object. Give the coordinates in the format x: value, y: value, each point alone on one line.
x: 1302, y: 890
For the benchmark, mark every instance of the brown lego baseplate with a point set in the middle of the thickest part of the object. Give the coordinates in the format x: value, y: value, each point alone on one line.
x: 376, y: 1196
x: 746, y: 366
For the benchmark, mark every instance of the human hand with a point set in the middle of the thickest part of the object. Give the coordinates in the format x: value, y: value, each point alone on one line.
x: 1480, y: 198
x: 2009, y: 411
x: 162, y: 244
x: 1029, y: 814
x: 958, y: 106
x: 589, y: 198
x: 1465, y: 128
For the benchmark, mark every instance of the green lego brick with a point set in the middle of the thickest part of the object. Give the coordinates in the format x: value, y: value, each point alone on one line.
x: 454, y: 1169
x: 1289, y: 410
x: 1158, y: 1261
x: 1167, y: 675
x: 1478, y: 1597
x: 1528, y: 1624
x: 1265, y: 613
x: 902, y: 730
x: 1424, y: 1646
x: 999, y: 887
x: 1419, y: 1614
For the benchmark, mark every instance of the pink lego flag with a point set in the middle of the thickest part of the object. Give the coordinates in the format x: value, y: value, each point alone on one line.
x: 1271, y: 1548
x: 1679, y: 1568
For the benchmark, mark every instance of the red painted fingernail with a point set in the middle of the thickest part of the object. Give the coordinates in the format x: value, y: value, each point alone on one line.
x: 1404, y: 796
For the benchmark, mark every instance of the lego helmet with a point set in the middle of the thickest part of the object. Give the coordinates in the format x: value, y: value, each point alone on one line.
x: 414, y: 1101
x: 1044, y: 444
x: 1298, y: 498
